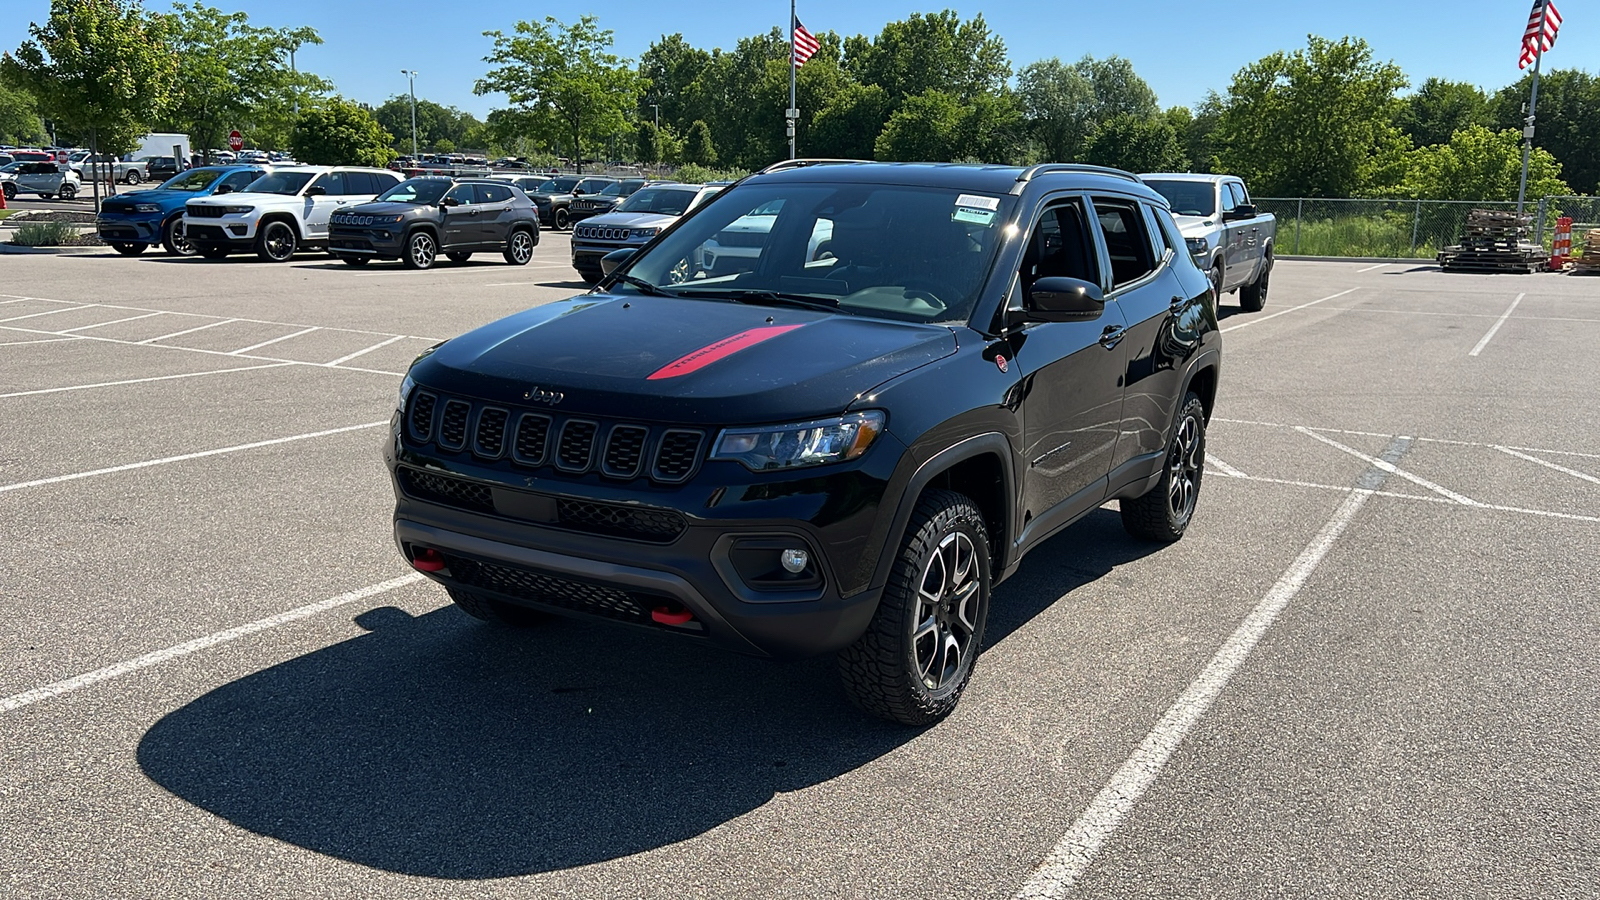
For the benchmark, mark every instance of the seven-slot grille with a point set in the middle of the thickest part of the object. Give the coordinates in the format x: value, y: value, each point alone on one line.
x: 571, y: 444
x: 203, y: 211
x: 601, y: 233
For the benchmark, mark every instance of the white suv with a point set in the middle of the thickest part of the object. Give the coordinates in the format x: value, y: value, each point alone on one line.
x: 280, y: 213
x: 45, y: 179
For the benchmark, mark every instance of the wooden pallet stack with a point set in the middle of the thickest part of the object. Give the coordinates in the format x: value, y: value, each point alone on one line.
x: 1496, y: 241
x: 1589, y: 262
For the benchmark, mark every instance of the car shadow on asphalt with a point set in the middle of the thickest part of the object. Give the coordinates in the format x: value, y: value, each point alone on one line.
x: 442, y: 747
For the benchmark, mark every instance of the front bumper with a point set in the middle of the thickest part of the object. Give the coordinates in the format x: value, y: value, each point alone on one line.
x: 371, y: 242
x: 226, y: 231
x: 140, y: 228
x: 586, y: 254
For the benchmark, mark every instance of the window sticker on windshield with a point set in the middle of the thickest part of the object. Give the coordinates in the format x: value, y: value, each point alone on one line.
x: 973, y: 201
x: 975, y: 216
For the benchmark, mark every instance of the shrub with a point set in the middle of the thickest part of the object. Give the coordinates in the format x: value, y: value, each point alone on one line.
x: 45, y: 234
x: 694, y: 174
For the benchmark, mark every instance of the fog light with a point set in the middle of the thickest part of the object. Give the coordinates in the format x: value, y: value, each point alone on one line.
x: 795, y: 561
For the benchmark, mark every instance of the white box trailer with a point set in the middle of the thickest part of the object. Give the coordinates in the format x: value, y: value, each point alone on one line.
x: 161, y: 145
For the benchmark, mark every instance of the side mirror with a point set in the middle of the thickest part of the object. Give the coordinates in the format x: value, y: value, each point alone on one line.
x: 450, y: 201
x: 1242, y: 211
x: 224, y: 189
x: 613, y: 260
x: 316, y: 190
x: 1062, y: 299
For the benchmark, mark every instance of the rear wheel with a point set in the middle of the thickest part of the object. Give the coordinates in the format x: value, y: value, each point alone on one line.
x: 127, y: 249
x: 519, y: 251
x: 421, y: 250
x: 916, y: 656
x: 459, y: 256
x: 68, y: 192
x: 132, y: 177
x: 1163, y: 514
x: 277, y: 242
x: 1253, y: 296
x: 174, y: 240
x: 488, y: 609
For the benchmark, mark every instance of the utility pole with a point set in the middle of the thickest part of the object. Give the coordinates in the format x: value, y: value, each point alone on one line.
x: 657, y: 108
x: 1527, y: 130
x: 296, y: 73
x: 792, y: 113
x: 413, y: 74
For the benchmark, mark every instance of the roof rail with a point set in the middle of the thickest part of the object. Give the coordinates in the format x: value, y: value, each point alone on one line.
x: 782, y: 164
x: 1047, y: 168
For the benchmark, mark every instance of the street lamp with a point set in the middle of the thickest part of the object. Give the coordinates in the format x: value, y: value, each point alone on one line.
x: 413, y: 74
x: 657, y: 108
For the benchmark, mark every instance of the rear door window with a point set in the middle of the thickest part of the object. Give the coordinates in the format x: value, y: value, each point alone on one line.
x: 1127, y: 240
x: 492, y: 193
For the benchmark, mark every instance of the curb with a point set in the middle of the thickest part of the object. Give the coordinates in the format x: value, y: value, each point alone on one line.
x: 48, y: 251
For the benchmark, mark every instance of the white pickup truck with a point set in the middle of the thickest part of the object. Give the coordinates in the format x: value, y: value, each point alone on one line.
x: 1228, y: 237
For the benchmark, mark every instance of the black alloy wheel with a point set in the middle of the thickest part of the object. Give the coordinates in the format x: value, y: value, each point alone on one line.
x: 175, y: 240
x: 561, y: 219
x: 1164, y: 513
x: 519, y: 250
x: 277, y: 242
x: 916, y: 657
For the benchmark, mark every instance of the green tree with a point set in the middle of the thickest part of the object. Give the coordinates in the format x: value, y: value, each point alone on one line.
x: 1317, y: 122
x: 563, y: 80
x: 1197, y: 130
x: 435, y: 123
x: 340, y: 133
x: 1480, y: 164
x: 926, y: 128
x: 1137, y: 144
x: 1117, y: 90
x: 673, y: 71
x: 1057, y: 101
x: 848, y: 126
x: 1440, y: 108
x: 19, y: 116
x: 98, y: 67
x: 647, y: 144
x: 698, y: 149
x: 444, y: 145
x: 1568, y: 122
x: 230, y: 69
x: 930, y: 52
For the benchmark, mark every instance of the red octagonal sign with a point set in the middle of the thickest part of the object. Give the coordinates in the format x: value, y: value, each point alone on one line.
x: 235, y: 141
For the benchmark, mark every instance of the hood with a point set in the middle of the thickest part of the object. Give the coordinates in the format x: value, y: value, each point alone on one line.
x: 690, y: 362
x: 163, y: 198
x: 386, y: 208
x: 1195, y: 226
x: 630, y: 220
x: 249, y: 198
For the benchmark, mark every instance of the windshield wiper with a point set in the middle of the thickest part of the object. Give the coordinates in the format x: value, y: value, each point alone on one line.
x: 778, y: 298
x: 645, y: 287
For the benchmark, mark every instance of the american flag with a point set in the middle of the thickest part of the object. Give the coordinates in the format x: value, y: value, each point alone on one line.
x: 1540, y: 36
x: 804, y: 44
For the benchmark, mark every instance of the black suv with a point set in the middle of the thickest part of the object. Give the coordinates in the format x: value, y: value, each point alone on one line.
x: 840, y: 442
x: 606, y: 201
x: 420, y: 218
x: 554, y: 197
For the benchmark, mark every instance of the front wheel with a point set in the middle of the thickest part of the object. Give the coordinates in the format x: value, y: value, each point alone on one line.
x: 421, y: 250
x: 560, y: 218
x: 277, y: 242
x: 1216, y: 281
x: 1253, y: 296
x: 916, y: 656
x: 519, y: 252
x: 174, y: 239
x: 10, y: 190
x: 1163, y: 513
x: 127, y: 249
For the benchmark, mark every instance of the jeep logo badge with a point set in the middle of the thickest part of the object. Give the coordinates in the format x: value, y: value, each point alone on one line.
x: 540, y: 395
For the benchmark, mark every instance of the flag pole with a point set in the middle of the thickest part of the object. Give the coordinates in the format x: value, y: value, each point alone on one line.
x: 1533, y: 104
x: 792, y: 112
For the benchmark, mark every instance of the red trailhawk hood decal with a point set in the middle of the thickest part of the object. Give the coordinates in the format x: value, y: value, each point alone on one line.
x: 710, y: 353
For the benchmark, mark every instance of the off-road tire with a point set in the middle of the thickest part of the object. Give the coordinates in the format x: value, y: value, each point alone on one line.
x: 459, y: 256
x: 172, y: 238
x: 519, y: 247
x: 277, y: 242
x: 1253, y: 296
x: 880, y: 671
x: 488, y: 609
x: 127, y: 249
x: 421, y: 250
x: 1165, y: 511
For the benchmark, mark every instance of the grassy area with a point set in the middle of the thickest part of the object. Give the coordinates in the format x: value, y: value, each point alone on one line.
x: 46, y: 234
x: 1375, y: 236
x: 6, y: 213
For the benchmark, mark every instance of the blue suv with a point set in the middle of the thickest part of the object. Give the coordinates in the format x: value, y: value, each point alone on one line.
x: 132, y: 222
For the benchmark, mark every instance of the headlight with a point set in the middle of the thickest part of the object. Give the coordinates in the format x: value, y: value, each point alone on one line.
x: 406, y: 387
x: 386, y: 220
x: 237, y: 210
x: 1198, y: 246
x: 146, y: 208
x: 801, y: 444
x: 644, y: 233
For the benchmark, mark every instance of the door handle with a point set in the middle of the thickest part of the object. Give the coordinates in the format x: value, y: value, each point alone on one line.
x: 1112, y: 336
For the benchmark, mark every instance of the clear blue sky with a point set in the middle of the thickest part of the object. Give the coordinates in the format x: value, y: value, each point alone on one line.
x: 1183, y: 49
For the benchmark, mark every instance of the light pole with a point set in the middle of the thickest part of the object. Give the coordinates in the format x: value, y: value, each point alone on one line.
x: 657, y: 108
x: 413, y: 75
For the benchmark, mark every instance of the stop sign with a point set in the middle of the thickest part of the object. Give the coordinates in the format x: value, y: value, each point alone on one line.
x: 235, y: 141
x: 61, y: 157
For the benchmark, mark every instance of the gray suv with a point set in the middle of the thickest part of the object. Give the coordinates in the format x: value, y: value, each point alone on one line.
x: 420, y: 218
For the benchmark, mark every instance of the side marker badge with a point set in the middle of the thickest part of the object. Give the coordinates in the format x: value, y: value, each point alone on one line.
x: 1000, y: 361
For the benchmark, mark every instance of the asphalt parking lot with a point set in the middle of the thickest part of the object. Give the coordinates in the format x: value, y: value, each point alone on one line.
x: 1367, y: 671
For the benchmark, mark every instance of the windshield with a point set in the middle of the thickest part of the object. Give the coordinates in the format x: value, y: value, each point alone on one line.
x: 421, y: 191
x: 612, y: 190
x: 666, y: 201
x: 12, y: 167
x: 558, y: 186
x: 192, y: 181
x: 280, y: 183
x: 889, y: 251
x: 1188, y: 198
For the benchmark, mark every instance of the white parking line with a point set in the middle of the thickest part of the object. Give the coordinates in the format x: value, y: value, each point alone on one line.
x: 1284, y: 312
x: 185, y: 456
x: 85, y: 387
x: 273, y: 341
x: 1223, y: 467
x: 1391, y: 469
x: 1374, y: 268
x: 43, y: 341
x: 235, y: 355
x: 117, y: 670
x: 1496, y: 326
x: 48, y: 312
x: 186, y: 331
x: 112, y: 322
x: 1550, y: 465
x: 345, y: 359
x: 207, y: 316
x: 1428, y: 440
x: 1078, y: 848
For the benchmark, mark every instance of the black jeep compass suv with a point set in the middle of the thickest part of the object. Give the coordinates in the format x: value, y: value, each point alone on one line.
x: 840, y: 442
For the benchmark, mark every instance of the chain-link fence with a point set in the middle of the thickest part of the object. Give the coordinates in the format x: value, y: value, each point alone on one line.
x: 1584, y: 212
x: 1319, y: 226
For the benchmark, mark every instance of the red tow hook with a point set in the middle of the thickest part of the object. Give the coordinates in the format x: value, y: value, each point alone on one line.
x: 671, y: 614
x: 424, y: 559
